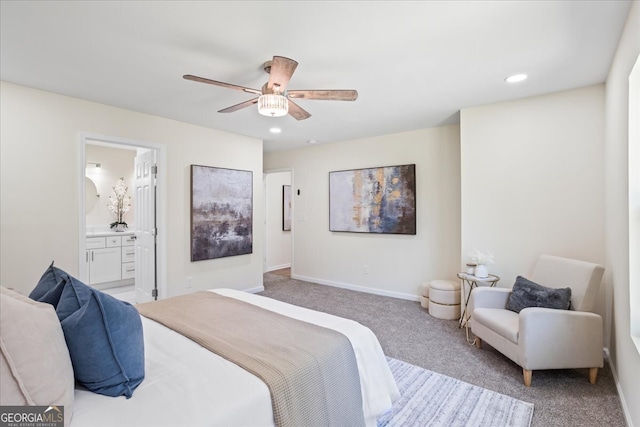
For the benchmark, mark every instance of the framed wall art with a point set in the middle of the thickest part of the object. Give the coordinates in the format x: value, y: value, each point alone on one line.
x: 286, y: 208
x: 221, y: 212
x: 374, y: 200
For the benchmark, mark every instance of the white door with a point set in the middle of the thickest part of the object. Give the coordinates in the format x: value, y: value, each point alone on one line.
x: 145, y: 191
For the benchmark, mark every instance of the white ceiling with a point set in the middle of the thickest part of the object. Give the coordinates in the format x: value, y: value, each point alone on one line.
x: 414, y: 64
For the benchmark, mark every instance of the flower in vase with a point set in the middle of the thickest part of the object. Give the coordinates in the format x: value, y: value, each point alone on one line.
x: 481, y: 258
x: 119, y: 204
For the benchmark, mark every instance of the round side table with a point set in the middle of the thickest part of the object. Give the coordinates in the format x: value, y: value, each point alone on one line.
x: 472, y: 281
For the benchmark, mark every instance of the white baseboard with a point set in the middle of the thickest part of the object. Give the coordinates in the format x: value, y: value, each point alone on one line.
x: 255, y: 290
x: 358, y: 288
x: 278, y: 267
x: 623, y: 402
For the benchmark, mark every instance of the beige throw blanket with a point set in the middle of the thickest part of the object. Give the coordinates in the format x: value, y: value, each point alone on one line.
x: 311, y: 371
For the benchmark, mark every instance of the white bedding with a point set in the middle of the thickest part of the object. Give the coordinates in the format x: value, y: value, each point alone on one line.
x: 187, y: 385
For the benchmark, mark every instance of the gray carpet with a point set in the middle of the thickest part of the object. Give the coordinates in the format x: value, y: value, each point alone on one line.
x: 407, y: 332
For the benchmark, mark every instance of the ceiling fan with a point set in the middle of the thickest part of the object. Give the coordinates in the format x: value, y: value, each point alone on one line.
x: 274, y: 99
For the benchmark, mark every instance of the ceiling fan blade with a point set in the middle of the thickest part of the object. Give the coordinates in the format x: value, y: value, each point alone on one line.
x: 331, y: 95
x: 240, y: 106
x: 281, y: 71
x: 297, y: 112
x: 223, y: 84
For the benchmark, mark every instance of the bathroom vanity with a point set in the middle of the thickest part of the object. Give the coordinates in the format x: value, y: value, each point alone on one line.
x: 110, y: 258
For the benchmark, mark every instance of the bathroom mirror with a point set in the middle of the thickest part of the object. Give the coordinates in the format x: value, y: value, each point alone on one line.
x: 91, y: 195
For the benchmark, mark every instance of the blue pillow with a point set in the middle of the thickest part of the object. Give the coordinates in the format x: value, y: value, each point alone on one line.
x: 49, y: 287
x: 103, y: 334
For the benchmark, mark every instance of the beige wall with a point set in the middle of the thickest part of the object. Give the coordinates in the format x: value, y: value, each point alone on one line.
x: 40, y: 167
x: 558, y: 185
x: 397, y: 264
x: 625, y: 358
x: 532, y: 180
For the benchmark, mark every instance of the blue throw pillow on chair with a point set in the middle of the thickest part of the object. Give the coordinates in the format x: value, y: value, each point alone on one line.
x: 103, y: 334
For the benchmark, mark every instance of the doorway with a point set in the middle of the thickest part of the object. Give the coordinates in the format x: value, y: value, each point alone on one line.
x: 279, y: 224
x: 129, y: 264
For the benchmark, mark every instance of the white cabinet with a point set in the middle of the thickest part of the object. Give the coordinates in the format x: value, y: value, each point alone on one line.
x: 110, y: 258
x: 104, y: 265
x: 95, y: 242
x: 128, y: 252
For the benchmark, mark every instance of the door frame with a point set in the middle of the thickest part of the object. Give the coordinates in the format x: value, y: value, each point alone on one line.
x: 265, y: 173
x: 161, y: 205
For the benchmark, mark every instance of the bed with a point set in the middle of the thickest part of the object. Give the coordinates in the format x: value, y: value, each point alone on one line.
x: 187, y: 385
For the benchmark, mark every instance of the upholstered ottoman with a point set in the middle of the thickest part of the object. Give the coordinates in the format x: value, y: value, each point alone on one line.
x: 444, y: 299
x: 424, y: 296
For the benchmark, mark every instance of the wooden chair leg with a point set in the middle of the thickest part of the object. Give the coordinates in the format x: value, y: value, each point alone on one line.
x: 478, y: 343
x: 593, y: 375
x: 527, y: 377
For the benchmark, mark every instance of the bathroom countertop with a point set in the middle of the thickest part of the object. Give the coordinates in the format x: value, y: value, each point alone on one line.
x: 109, y: 233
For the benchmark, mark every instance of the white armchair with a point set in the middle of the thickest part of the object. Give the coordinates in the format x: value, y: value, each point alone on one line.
x: 545, y: 338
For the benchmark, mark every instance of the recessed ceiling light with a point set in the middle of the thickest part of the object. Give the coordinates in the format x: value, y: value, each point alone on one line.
x: 275, y: 130
x: 516, y: 78
x: 311, y: 141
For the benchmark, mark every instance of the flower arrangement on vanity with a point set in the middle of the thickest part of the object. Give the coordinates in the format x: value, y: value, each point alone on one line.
x: 119, y: 204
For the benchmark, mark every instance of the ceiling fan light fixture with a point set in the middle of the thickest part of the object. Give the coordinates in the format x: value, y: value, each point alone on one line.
x: 273, y: 105
x: 273, y: 98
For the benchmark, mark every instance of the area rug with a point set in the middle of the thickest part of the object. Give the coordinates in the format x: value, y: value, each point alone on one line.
x: 431, y: 399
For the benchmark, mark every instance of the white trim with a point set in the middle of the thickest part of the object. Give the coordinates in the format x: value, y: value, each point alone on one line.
x: 264, y: 223
x: 358, y: 288
x: 634, y: 203
x: 161, y: 200
x: 82, y: 217
x: 623, y: 402
x: 278, y: 267
x: 255, y: 290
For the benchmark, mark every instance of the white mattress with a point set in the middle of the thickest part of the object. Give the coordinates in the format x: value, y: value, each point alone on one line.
x: 187, y: 385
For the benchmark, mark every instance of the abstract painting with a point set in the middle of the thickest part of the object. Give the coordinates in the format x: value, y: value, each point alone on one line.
x: 286, y: 208
x: 375, y: 200
x: 221, y: 212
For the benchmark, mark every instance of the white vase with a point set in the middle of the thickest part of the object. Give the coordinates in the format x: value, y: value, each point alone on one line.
x: 481, y: 271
